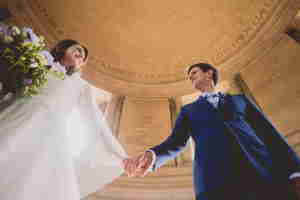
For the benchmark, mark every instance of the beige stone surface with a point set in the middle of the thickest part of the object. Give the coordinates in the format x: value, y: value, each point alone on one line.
x: 168, y: 183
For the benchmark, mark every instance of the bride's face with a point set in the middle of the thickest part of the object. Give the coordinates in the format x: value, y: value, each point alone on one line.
x: 74, y: 56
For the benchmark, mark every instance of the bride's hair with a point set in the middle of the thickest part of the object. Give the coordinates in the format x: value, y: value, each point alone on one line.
x: 58, y: 52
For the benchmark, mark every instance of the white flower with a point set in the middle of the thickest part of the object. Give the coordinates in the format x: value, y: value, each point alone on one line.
x: 15, y: 31
x: 24, y: 34
x: 34, y: 65
x: 48, y: 57
x: 32, y: 36
x: 42, y: 59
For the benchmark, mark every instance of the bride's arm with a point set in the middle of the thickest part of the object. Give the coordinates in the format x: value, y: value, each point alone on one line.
x: 100, y: 158
x: 94, y: 119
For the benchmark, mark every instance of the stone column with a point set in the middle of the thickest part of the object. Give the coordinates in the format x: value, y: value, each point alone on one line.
x: 144, y: 123
x: 186, y: 156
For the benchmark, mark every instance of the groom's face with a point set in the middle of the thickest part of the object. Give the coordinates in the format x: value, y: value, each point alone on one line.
x: 199, y: 78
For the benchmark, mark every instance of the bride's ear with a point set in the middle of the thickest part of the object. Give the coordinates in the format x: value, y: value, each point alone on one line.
x: 86, y: 60
x: 210, y: 74
x: 86, y: 52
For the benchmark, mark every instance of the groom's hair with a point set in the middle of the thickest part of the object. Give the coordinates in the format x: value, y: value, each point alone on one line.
x: 58, y: 52
x: 206, y: 67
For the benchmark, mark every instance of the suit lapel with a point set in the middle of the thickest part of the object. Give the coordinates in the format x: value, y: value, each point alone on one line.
x: 223, y: 102
x: 226, y: 108
x: 203, y: 102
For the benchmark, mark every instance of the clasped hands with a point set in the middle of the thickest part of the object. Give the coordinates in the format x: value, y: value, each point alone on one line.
x: 138, y: 166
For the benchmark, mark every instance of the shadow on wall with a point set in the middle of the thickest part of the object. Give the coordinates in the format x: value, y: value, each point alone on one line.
x: 295, y: 34
x: 4, y: 14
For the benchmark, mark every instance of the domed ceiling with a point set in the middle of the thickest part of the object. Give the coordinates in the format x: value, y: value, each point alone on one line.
x: 142, y: 47
x: 152, y: 41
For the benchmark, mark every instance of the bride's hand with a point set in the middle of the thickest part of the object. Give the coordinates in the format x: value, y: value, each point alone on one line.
x: 130, y: 166
x: 139, y: 165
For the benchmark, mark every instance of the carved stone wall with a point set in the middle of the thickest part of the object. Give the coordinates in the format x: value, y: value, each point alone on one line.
x: 144, y: 123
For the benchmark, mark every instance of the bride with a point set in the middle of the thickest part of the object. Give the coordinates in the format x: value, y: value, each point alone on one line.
x: 37, y: 159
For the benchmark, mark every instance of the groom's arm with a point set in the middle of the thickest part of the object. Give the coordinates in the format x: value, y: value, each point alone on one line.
x: 174, y: 144
x: 160, y: 154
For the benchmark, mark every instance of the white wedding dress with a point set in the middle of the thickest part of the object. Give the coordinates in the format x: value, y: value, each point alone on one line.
x: 39, y: 158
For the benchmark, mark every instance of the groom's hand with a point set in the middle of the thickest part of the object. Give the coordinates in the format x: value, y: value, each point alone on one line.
x: 138, y: 166
x: 144, y: 161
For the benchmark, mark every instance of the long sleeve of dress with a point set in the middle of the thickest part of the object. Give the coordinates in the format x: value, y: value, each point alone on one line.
x: 99, y: 162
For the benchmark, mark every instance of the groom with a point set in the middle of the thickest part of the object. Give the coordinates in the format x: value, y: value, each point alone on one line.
x: 239, y: 155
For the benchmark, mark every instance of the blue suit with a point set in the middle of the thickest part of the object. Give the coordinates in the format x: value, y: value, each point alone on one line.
x: 235, y: 145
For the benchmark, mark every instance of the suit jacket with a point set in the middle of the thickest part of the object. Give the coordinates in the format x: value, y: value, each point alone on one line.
x: 234, y: 136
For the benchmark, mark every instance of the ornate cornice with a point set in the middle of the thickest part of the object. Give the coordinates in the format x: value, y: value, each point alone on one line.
x: 222, y: 53
x: 274, y: 14
x: 248, y: 32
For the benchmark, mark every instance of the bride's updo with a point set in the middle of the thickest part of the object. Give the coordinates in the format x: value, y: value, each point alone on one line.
x: 60, y: 49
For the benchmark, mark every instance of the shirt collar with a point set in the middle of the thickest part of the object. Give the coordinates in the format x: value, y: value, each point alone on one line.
x: 206, y: 94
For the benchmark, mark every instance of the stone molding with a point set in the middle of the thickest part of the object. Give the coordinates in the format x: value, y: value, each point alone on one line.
x: 257, y: 37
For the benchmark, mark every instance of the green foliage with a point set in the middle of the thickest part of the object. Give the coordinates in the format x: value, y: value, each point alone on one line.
x: 24, y: 56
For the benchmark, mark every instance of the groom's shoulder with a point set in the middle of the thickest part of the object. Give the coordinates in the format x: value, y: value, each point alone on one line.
x: 235, y: 95
x: 189, y: 106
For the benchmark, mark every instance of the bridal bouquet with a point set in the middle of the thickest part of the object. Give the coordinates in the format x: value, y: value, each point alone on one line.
x: 24, y: 62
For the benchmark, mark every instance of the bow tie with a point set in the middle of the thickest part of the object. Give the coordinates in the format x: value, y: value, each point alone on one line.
x: 211, y: 95
x: 213, y: 98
